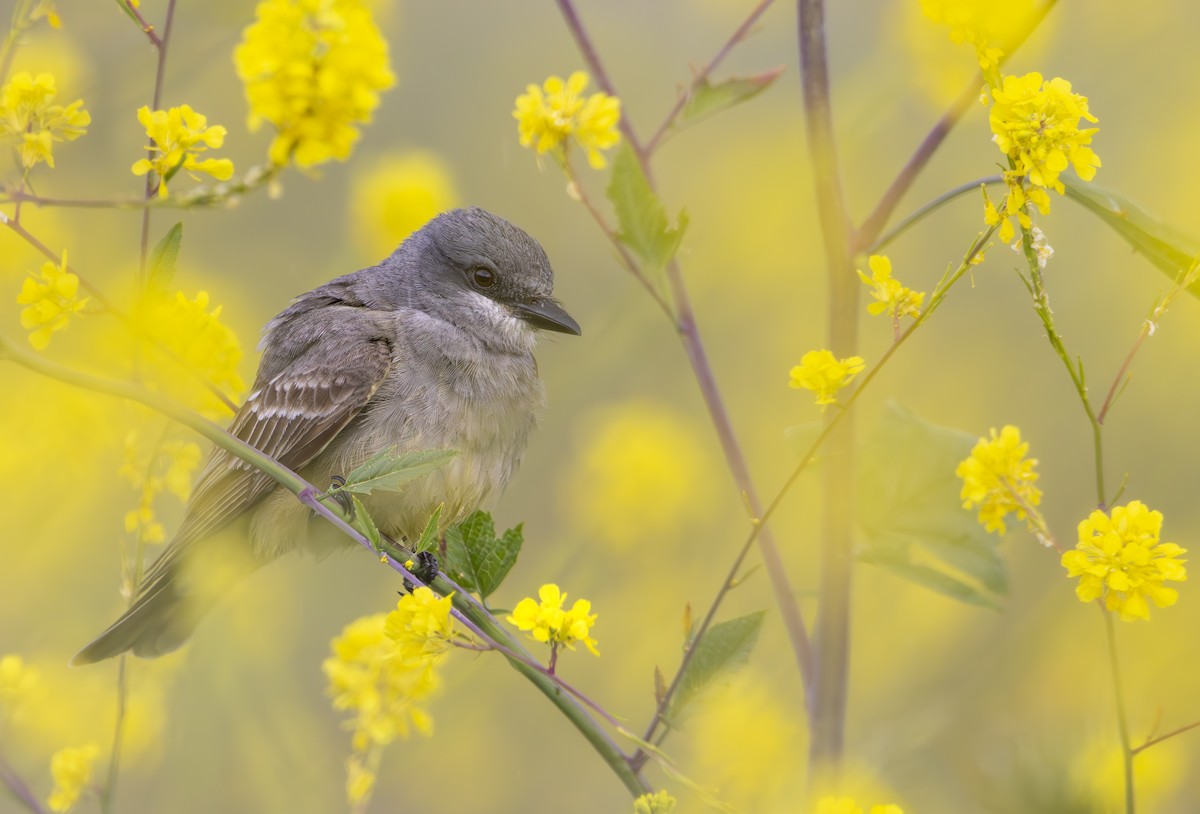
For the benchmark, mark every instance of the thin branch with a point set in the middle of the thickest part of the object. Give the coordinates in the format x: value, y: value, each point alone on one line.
x: 147, y: 28
x: 1152, y: 741
x: 929, y: 208
x: 19, y: 789
x: 161, y: 44
x: 701, y: 77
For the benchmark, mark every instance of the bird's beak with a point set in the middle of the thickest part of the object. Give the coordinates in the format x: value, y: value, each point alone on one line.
x: 547, y: 315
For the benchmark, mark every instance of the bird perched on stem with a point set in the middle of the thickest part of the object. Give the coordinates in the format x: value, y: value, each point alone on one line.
x: 430, y: 349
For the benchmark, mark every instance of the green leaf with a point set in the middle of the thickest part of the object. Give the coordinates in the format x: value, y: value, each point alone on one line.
x: 429, y: 536
x: 387, y: 471
x: 163, y: 257
x: 707, y: 99
x: 911, y: 519
x: 1168, y: 248
x: 366, y: 524
x: 476, y: 558
x: 642, y: 221
x: 722, y: 649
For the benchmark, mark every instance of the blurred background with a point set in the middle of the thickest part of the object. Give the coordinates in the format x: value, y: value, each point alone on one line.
x: 624, y: 494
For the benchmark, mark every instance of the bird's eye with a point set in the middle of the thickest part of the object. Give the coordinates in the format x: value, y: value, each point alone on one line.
x: 483, y: 277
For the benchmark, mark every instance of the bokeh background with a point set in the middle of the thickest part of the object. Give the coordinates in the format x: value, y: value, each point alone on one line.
x: 624, y: 494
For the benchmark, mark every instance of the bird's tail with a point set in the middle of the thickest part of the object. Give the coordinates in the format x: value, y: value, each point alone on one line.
x: 166, y: 612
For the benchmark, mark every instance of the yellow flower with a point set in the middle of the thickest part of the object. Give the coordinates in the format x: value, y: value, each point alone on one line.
x: 1120, y: 559
x: 360, y: 781
x: 825, y: 374
x: 28, y: 118
x: 549, y: 117
x: 17, y: 681
x: 71, y: 769
x: 890, y: 295
x: 546, y: 621
x: 985, y: 24
x: 177, y: 137
x: 1036, y: 124
x: 199, y: 349
x: 393, y: 196
x: 999, y: 479
x: 847, y: 805
x: 421, y: 626
x: 50, y: 297
x: 314, y: 70
x: 658, y: 802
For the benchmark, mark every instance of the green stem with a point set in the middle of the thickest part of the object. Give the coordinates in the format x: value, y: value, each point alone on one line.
x: 929, y: 208
x: 1127, y: 750
x: 285, y: 477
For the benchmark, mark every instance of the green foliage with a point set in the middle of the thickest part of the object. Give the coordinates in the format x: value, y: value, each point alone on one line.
x: 363, y: 521
x: 641, y: 218
x: 723, y: 648
x: 911, y: 519
x: 429, y: 537
x: 476, y: 558
x: 1168, y: 248
x: 388, y: 471
x: 707, y: 99
x: 163, y: 258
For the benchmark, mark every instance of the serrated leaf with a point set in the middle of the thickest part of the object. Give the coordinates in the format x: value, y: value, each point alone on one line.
x: 366, y: 524
x: 429, y: 537
x: 476, y: 557
x: 707, y: 99
x: 1168, y: 248
x: 641, y: 218
x: 387, y: 471
x: 911, y: 519
x: 723, y: 648
x: 163, y: 258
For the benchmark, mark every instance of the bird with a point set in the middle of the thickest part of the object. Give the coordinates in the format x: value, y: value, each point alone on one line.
x: 430, y: 349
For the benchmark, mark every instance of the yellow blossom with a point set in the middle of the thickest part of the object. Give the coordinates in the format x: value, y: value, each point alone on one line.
x: 890, y: 295
x: 847, y: 805
x: 71, y: 769
x: 314, y: 70
x: 393, y: 196
x: 177, y: 137
x: 50, y: 297
x: 360, y: 781
x: 1036, y: 124
x: 550, y: 117
x: 999, y: 479
x: 17, y: 681
x: 659, y: 802
x: 986, y: 24
x: 421, y: 625
x: 1119, y: 558
x: 28, y: 118
x: 825, y: 374
x: 546, y: 621
x: 186, y: 348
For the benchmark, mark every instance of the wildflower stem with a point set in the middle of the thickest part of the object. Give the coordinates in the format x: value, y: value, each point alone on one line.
x: 689, y: 333
x: 701, y: 77
x: 1159, y: 739
x: 1127, y: 750
x: 469, y: 612
x: 928, y: 209
x: 891, y: 198
x: 160, y: 45
x: 147, y: 29
x: 827, y: 694
x: 20, y: 24
x: 18, y: 788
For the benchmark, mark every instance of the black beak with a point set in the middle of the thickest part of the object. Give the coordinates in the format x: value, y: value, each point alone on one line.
x: 547, y: 315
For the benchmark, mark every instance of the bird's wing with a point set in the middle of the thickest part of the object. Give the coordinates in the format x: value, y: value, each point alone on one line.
x: 291, y: 417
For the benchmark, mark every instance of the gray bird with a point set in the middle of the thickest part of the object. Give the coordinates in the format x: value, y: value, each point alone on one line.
x: 430, y: 349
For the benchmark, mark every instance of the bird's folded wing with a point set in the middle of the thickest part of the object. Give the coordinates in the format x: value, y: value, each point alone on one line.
x: 291, y: 417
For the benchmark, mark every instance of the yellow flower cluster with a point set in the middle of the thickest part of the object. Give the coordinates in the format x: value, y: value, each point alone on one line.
x: 546, y: 621
x: 199, y: 349
x: 177, y: 137
x: 168, y: 467
x: 824, y: 374
x: 383, y: 671
x: 890, y: 295
x: 550, y: 117
x: 999, y: 479
x: 1119, y: 558
x: 17, y: 681
x: 848, y: 805
x: 985, y: 24
x: 50, y: 297
x: 28, y: 118
x: 71, y: 769
x: 659, y: 802
x: 394, y: 196
x: 313, y: 69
